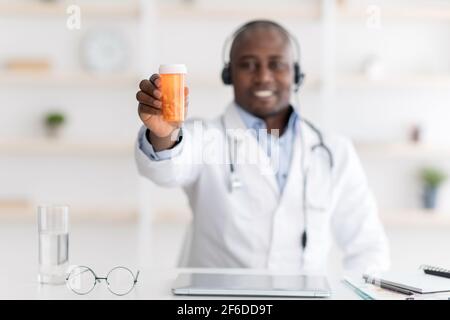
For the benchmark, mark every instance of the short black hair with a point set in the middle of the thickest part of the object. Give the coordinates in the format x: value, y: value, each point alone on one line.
x: 243, y: 31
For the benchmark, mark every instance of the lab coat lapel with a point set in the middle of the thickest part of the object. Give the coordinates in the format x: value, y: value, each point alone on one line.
x: 249, y: 150
x: 308, y: 140
x: 294, y: 184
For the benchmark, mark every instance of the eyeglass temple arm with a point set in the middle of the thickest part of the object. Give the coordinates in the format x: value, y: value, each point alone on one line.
x: 136, y: 278
x: 86, y: 270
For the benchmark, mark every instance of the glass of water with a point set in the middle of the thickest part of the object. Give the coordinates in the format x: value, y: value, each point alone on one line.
x: 53, y: 228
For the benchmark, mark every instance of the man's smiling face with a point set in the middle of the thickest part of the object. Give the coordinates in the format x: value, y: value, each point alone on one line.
x: 262, y: 70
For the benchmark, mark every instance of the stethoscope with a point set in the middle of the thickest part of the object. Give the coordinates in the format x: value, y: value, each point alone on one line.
x: 235, y: 182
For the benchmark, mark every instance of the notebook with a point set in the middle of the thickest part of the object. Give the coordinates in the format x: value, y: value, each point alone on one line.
x: 435, y: 271
x: 419, y: 281
x: 367, y: 291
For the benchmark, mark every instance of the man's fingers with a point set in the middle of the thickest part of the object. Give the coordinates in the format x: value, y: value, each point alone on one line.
x: 156, y: 80
x: 143, y: 108
x: 146, y: 86
x: 150, y: 89
x: 149, y: 96
x: 144, y: 98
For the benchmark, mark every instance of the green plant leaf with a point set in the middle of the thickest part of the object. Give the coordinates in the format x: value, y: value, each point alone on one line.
x: 432, y: 177
x: 54, y: 119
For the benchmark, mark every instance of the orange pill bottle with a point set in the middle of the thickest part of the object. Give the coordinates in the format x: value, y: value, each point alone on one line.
x: 172, y: 88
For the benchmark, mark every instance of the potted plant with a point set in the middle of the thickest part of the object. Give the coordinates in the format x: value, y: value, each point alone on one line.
x: 432, y: 178
x: 53, y: 122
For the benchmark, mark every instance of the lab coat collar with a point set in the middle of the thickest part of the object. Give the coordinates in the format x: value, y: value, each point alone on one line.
x: 233, y: 122
x: 307, y: 137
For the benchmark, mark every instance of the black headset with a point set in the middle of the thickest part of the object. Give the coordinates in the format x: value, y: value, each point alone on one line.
x: 226, y: 71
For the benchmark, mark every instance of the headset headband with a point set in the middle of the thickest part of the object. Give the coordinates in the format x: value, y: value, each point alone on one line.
x: 230, y: 39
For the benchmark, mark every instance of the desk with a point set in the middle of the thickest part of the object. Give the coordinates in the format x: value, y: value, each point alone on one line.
x: 102, y: 247
x: 153, y: 283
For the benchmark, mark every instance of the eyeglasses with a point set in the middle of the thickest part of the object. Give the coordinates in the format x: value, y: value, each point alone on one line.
x: 120, y: 280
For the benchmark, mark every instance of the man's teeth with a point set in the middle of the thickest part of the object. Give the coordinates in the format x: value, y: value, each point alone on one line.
x: 263, y: 93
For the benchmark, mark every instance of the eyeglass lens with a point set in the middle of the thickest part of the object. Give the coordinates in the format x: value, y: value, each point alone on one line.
x: 81, y: 280
x: 120, y: 280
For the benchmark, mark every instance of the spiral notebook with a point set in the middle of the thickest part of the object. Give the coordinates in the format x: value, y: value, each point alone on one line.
x: 427, y: 279
x: 435, y: 271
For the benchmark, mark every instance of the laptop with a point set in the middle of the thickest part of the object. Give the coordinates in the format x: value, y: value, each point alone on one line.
x: 219, y: 284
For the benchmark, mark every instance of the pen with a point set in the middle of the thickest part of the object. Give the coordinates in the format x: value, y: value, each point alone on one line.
x: 396, y: 289
x: 386, y: 286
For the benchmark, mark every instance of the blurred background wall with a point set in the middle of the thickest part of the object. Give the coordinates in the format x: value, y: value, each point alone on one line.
x: 377, y: 71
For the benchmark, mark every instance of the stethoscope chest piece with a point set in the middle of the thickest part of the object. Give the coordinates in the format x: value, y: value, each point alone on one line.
x: 235, y: 182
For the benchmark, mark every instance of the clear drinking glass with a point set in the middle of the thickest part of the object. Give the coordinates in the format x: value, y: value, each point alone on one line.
x: 53, y: 229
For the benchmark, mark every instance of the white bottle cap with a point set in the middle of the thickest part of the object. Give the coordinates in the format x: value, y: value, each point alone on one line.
x: 172, y: 68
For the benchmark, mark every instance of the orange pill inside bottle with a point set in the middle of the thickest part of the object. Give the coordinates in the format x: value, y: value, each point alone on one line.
x: 172, y: 88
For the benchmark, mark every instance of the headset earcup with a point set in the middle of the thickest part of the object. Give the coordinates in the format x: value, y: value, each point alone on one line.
x: 226, y: 74
x: 297, y: 74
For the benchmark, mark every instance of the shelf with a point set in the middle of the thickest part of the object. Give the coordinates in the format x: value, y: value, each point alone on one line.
x: 67, y: 79
x: 415, y: 218
x: 84, y: 79
x: 58, y: 9
x: 42, y: 147
x: 303, y: 12
x: 359, y: 80
x: 419, y: 150
x: 391, y: 13
x: 27, y: 213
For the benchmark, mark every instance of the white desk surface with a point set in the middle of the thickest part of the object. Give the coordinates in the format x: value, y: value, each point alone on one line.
x: 102, y: 247
x: 153, y: 284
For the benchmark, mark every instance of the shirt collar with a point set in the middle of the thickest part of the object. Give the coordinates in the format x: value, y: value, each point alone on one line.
x: 253, y: 122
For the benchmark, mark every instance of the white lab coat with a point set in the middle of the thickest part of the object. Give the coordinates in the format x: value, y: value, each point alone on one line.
x: 257, y: 227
